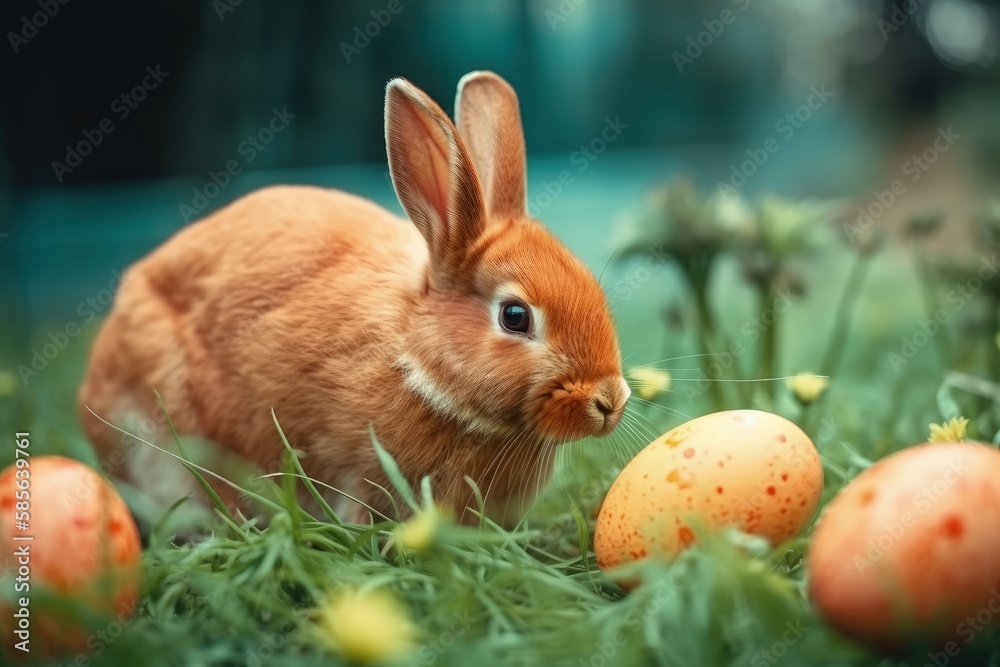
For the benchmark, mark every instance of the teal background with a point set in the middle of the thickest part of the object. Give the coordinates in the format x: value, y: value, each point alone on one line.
x: 574, y: 64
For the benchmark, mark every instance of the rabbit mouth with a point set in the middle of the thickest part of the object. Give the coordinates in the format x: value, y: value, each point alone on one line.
x: 574, y: 410
x: 611, y: 422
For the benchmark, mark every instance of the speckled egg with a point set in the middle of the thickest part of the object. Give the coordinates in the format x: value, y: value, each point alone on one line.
x: 752, y: 470
x: 910, y: 549
x: 83, y: 543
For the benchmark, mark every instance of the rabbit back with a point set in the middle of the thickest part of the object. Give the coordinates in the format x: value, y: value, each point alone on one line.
x: 268, y: 303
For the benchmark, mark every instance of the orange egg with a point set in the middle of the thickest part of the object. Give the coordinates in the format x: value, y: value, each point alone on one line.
x: 910, y: 549
x: 752, y: 470
x: 84, y: 544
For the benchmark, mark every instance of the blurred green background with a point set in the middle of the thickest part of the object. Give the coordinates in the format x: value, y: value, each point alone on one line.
x: 768, y: 188
x: 697, y: 89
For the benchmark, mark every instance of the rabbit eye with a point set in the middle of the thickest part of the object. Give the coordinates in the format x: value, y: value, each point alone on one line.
x: 515, y: 317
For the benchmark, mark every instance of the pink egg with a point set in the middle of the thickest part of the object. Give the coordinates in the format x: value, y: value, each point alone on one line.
x: 910, y: 549
x: 84, y: 544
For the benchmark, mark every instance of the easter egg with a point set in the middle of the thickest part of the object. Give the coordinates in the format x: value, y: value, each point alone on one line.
x: 66, y: 533
x: 910, y: 549
x: 751, y: 470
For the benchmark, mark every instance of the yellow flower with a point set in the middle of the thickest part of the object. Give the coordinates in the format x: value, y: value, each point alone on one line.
x: 650, y: 382
x: 367, y: 627
x: 952, y: 430
x: 807, y: 387
x: 733, y: 215
x: 418, y: 533
x: 8, y: 383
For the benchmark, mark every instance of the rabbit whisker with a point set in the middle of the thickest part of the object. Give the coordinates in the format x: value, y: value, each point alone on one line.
x: 663, y: 408
x: 608, y: 263
x: 685, y: 356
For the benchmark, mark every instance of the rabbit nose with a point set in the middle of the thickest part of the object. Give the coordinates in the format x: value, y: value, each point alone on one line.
x: 602, y: 406
x: 608, y: 402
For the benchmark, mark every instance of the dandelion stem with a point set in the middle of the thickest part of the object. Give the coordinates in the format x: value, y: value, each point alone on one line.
x: 993, y: 354
x: 697, y: 272
x: 932, y: 303
x: 842, y: 317
x: 768, y: 341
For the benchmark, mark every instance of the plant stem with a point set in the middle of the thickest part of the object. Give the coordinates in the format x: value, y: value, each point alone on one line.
x: 842, y: 317
x: 931, y: 304
x: 768, y: 342
x: 697, y: 272
x: 992, y: 353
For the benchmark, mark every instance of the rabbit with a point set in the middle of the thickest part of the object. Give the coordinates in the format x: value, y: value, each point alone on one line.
x: 467, y: 340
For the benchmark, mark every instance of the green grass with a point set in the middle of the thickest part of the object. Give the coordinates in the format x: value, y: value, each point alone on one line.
x: 482, y: 595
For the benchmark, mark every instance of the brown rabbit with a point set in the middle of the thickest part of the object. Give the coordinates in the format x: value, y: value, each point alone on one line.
x: 471, y: 341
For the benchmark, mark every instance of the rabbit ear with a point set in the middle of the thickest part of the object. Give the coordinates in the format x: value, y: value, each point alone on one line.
x: 488, y: 118
x: 434, y: 178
